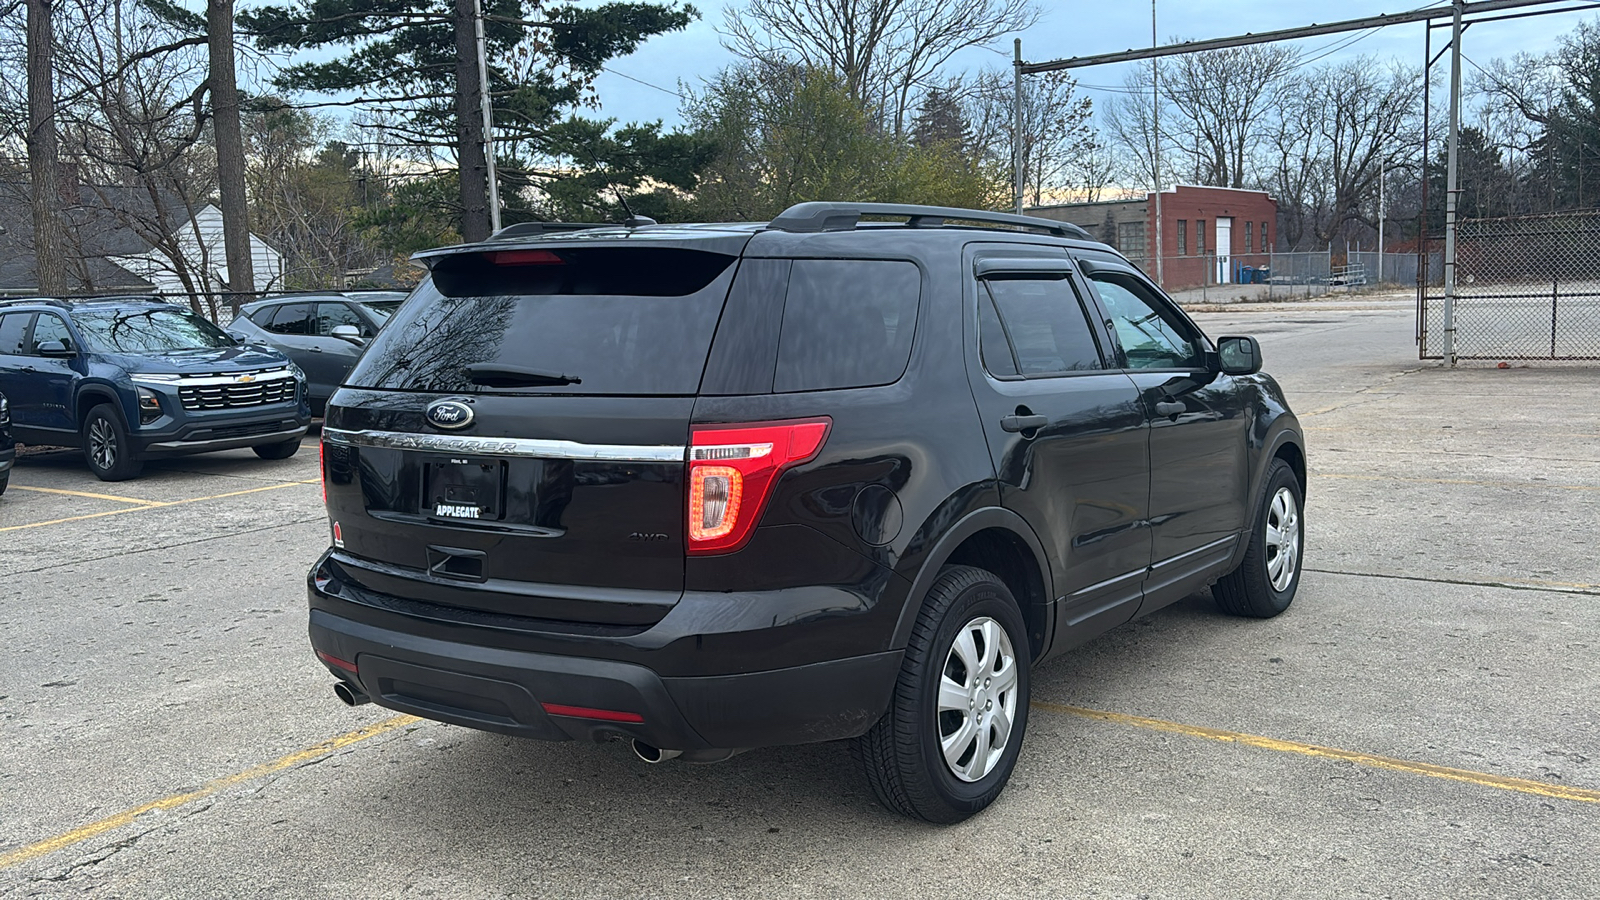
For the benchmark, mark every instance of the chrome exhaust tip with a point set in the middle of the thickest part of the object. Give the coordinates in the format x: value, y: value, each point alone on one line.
x: 652, y: 754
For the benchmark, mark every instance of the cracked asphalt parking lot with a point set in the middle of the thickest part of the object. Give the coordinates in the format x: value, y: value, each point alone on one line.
x: 1420, y: 724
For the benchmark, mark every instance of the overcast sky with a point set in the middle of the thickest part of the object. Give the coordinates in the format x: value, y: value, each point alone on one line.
x: 1082, y: 27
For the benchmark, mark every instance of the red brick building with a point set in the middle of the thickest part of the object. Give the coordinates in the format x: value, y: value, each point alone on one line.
x: 1209, y: 234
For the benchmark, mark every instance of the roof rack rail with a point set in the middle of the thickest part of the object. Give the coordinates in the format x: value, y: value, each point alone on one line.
x: 819, y: 216
x: 28, y: 301
x: 534, y: 229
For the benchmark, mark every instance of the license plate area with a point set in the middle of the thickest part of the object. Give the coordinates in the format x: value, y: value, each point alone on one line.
x: 466, y: 489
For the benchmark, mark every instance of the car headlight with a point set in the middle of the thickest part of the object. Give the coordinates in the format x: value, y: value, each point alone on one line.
x: 149, y: 406
x: 5, y: 412
x: 153, y: 378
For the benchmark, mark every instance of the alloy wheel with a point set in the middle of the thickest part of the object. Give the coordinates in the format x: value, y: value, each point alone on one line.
x: 977, y: 699
x: 103, y: 443
x: 1283, y: 539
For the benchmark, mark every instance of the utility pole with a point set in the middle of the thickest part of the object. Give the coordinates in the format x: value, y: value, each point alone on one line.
x: 1155, y: 122
x: 487, y: 106
x: 230, y: 150
x: 1451, y: 189
x: 1380, y: 221
x: 1016, y: 119
x: 43, y: 152
x: 470, y: 145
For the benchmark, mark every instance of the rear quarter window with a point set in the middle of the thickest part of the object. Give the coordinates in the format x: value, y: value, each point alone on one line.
x: 846, y: 324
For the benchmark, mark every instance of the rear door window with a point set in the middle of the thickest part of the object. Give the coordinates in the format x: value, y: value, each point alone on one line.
x: 13, y: 328
x: 847, y: 323
x: 291, y: 318
x: 1034, y: 327
x: 583, y: 320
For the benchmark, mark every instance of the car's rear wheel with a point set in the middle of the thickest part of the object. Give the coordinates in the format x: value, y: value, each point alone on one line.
x: 5, y: 481
x: 1265, y: 582
x: 106, y: 446
x: 282, y: 450
x: 949, y: 742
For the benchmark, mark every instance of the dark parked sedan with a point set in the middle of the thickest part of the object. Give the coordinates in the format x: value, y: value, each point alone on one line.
x: 323, y: 333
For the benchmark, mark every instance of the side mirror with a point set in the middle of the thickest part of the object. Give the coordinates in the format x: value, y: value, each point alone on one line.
x: 1239, y: 355
x: 348, y: 333
x: 57, y: 349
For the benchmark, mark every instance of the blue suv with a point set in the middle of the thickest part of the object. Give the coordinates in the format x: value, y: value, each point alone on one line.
x: 127, y: 379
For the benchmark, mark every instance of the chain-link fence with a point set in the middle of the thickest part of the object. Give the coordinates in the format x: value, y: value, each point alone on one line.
x: 1527, y: 287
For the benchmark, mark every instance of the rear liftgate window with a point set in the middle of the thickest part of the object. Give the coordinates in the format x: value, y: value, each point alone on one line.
x: 591, y: 320
x: 847, y: 323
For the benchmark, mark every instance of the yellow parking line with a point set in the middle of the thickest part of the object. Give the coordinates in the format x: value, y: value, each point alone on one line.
x: 157, y: 504
x: 40, y: 490
x: 112, y: 512
x: 1507, y: 484
x: 83, y: 833
x: 1482, y: 779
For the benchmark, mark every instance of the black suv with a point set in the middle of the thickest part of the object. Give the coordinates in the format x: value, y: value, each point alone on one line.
x: 715, y: 487
x: 130, y: 378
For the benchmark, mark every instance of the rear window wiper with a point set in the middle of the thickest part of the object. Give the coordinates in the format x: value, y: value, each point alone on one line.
x: 496, y: 375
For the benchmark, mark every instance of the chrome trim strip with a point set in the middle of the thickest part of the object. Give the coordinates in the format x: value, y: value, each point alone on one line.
x: 1182, y: 556
x: 506, y: 446
x: 1136, y: 573
x: 230, y: 380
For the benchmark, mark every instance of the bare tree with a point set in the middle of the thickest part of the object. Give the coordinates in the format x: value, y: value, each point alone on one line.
x: 1130, y: 122
x: 884, y: 51
x: 1219, y: 98
x: 137, y: 127
x: 1058, y: 136
x: 222, y: 78
x: 1341, y: 127
x: 43, y: 151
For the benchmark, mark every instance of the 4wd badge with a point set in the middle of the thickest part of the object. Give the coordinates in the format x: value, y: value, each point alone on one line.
x: 448, y: 414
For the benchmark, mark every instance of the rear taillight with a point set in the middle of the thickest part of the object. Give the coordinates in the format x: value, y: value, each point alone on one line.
x: 732, y: 469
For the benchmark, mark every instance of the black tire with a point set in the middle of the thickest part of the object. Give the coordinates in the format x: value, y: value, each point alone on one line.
x: 901, y: 753
x: 5, y: 481
x: 106, y: 446
x: 1249, y: 590
x: 282, y: 450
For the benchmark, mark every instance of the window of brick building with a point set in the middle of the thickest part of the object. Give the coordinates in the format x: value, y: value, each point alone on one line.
x: 1247, y: 241
x: 1264, y: 244
x: 1183, y: 237
x: 1199, y: 237
x: 1130, y: 239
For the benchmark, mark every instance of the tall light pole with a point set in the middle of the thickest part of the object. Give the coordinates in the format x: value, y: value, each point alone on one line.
x: 1451, y: 190
x: 1155, y: 123
x: 487, y: 110
x: 1016, y: 119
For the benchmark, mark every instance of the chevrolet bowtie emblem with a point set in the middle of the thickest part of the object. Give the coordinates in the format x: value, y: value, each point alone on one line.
x: 244, y: 379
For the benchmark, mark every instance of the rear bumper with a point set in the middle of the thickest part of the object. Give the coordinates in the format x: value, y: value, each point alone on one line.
x: 507, y: 691
x: 8, y: 455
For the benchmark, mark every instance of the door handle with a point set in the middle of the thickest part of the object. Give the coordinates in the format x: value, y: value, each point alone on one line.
x: 1016, y: 424
x: 315, y: 349
x: 1170, y: 408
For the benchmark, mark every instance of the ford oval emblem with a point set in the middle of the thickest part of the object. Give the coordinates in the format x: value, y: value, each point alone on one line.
x: 449, y: 414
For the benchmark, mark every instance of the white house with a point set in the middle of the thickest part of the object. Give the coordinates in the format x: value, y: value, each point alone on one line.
x: 200, y: 244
